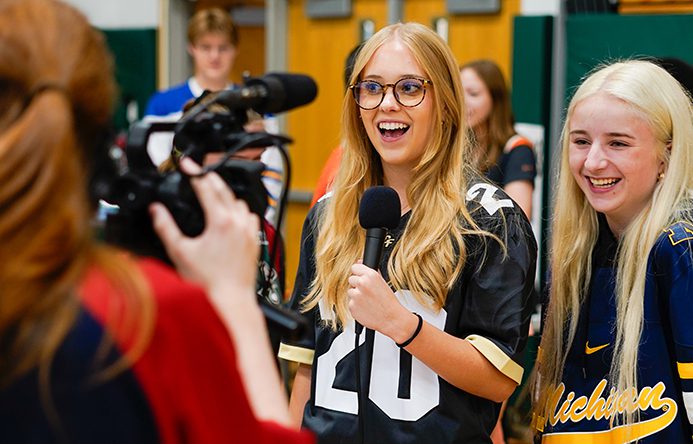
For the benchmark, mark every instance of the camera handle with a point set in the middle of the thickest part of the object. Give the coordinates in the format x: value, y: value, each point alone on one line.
x: 278, y: 316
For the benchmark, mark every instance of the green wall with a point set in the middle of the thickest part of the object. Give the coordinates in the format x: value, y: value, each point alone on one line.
x: 531, y: 100
x: 596, y: 38
x: 135, y: 68
x: 531, y: 78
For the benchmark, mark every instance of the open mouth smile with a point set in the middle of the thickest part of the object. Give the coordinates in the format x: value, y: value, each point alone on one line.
x: 603, y: 182
x: 392, y: 130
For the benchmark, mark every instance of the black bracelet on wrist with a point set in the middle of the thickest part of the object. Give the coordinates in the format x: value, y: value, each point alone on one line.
x: 416, y: 332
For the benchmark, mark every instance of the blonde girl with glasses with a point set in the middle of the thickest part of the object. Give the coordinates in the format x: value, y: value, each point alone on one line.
x: 446, y: 313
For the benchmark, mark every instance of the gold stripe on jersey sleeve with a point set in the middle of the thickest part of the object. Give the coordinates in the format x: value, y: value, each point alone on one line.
x: 497, y: 357
x: 296, y: 354
x: 685, y: 370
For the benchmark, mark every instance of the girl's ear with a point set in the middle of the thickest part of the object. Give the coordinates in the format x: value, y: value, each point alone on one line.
x: 663, y: 164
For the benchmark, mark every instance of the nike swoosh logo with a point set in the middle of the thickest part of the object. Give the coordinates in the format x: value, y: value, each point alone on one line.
x: 589, y: 350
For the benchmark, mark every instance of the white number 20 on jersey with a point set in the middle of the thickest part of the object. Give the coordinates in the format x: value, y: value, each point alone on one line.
x: 424, y: 391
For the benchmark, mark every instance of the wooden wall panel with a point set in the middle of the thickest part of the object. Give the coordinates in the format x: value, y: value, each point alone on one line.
x: 251, y: 52
x: 473, y: 36
x: 318, y: 47
x: 423, y: 11
x: 655, y: 6
x: 486, y: 36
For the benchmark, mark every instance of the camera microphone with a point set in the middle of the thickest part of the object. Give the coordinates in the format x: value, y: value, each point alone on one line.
x: 272, y: 93
x: 379, y: 211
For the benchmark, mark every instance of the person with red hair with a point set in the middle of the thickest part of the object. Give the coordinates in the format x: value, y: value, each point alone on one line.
x: 97, y: 345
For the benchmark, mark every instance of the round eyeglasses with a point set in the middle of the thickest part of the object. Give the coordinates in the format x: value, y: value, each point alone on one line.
x: 409, y: 92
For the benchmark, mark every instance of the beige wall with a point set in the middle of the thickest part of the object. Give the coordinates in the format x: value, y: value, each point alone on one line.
x: 319, y: 48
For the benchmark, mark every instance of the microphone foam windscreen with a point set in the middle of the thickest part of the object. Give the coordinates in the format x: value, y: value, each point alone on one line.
x: 288, y: 91
x: 379, y: 208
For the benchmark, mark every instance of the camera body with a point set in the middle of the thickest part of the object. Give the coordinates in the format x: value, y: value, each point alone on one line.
x: 142, y: 182
x: 214, y: 124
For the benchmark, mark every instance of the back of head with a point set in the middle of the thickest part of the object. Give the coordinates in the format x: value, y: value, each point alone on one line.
x: 349, y: 63
x: 56, y: 95
x: 212, y: 20
x: 680, y: 70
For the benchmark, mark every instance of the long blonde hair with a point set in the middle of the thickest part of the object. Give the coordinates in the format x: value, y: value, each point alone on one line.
x: 661, y: 101
x: 56, y: 97
x: 431, y: 252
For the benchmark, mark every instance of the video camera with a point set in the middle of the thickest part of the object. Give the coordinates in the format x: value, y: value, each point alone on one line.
x: 214, y: 124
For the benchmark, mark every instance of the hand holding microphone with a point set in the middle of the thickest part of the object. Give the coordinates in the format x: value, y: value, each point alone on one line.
x: 379, y: 212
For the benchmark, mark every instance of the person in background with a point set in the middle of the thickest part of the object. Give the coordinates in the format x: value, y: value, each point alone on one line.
x: 505, y: 157
x: 680, y: 70
x: 447, y: 312
x: 616, y: 353
x: 213, y: 46
x: 97, y: 345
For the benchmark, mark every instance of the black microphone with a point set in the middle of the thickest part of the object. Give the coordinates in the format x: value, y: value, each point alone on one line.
x: 379, y: 211
x: 272, y: 93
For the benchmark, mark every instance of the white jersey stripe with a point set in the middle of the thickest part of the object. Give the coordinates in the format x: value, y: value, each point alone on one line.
x: 688, y: 401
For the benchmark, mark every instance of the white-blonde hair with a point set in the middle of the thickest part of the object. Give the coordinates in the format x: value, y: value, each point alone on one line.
x: 661, y: 101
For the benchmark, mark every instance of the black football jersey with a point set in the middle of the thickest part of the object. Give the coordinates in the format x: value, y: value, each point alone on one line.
x: 403, y: 400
